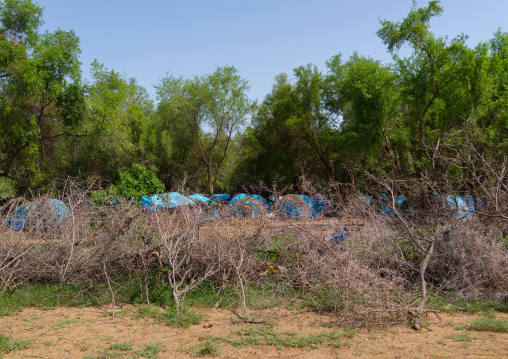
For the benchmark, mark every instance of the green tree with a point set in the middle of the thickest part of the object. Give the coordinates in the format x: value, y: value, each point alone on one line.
x: 292, y: 133
x: 203, y: 116
x: 364, y: 94
x: 41, y: 96
x: 118, y: 111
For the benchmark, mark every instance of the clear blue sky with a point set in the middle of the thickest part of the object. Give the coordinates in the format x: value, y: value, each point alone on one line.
x: 147, y: 39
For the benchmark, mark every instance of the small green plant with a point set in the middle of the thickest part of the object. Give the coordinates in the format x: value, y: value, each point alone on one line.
x: 151, y: 351
x: 126, y: 347
x: 6, y: 345
x: 269, y: 335
x: 170, y: 316
x: 63, y: 323
x: 207, y: 348
x: 464, y: 337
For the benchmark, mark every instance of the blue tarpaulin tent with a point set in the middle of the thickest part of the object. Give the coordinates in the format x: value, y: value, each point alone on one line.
x: 261, y: 199
x: 318, y: 205
x: 238, y: 197
x: 248, y: 207
x: 54, y: 212
x: 455, y: 204
x: 221, y: 197
x: 165, y: 201
x: 196, y: 197
x: 293, y: 206
x: 18, y: 219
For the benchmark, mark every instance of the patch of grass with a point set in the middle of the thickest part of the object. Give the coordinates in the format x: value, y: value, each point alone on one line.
x: 267, y: 335
x: 151, y: 351
x: 464, y: 337
x: 447, y: 303
x: 126, y: 347
x: 62, y: 324
x: 170, y: 316
x: 7, y: 346
x: 208, y: 347
x: 487, y: 324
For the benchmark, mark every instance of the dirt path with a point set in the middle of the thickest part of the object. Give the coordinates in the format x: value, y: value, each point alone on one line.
x: 89, y: 332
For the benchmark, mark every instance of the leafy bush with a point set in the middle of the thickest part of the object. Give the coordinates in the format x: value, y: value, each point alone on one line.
x: 133, y: 184
x: 7, y: 188
x: 138, y: 181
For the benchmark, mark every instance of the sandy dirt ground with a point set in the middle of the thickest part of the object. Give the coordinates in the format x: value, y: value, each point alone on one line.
x: 88, y: 332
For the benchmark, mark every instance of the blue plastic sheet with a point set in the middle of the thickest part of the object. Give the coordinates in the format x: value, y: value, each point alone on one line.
x: 164, y: 201
x: 261, y: 199
x: 364, y: 200
x: 197, y: 197
x: 318, y: 206
x: 56, y: 212
x: 18, y: 219
x: 455, y: 206
x: 221, y: 197
x: 338, y: 236
x: 293, y: 206
x: 253, y: 206
x: 385, y: 204
x: 236, y: 198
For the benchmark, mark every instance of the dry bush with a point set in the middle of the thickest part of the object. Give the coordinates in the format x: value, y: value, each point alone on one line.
x: 262, y: 264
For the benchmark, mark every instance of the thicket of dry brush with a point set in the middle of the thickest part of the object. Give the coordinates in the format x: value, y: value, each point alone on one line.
x: 263, y: 264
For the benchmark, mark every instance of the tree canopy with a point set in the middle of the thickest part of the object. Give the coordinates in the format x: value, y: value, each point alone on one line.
x: 360, y: 115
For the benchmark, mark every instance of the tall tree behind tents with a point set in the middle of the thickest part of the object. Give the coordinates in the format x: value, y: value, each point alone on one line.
x: 41, y: 95
x: 364, y: 94
x: 207, y: 113
x: 448, y: 91
x: 118, y: 110
x: 292, y: 133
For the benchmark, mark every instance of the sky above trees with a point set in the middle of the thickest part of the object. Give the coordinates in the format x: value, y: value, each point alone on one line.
x: 261, y: 39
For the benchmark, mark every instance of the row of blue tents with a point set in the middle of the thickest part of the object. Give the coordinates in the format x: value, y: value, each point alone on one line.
x: 293, y: 206
x: 252, y: 205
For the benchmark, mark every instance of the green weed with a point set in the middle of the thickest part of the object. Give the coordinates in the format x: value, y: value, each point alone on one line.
x: 207, y: 348
x: 267, y: 335
x: 151, y: 351
x: 62, y: 324
x: 464, y: 337
x: 170, y: 316
x: 126, y: 347
x: 6, y: 345
x: 487, y: 324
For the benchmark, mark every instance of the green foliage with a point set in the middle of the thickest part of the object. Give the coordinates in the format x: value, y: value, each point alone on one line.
x: 269, y: 335
x: 208, y: 347
x: 6, y: 345
x: 464, y: 337
x: 489, y: 324
x: 39, y: 72
x: 446, y: 303
x: 7, y: 188
x: 170, y: 316
x: 138, y: 181
x: 125, y: 350
x: 199, y: 120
